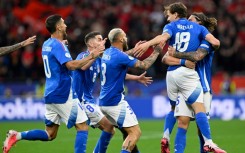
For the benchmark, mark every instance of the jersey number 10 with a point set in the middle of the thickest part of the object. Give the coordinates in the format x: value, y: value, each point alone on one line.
x: 46, y: 66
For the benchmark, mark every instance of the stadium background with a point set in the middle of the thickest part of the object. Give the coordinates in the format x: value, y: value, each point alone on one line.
x: 22, y: 76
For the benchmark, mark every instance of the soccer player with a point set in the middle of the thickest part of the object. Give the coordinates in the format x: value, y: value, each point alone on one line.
x: 203, y: 56
x: 185, y: 36
x: 61, y: 101
x: 114, y: 65
x: 83, y: 82
x: 9, y: 49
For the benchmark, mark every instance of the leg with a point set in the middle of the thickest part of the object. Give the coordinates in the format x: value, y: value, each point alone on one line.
x: 129, y: 143
x: 201, y: 140
x: 180, y: 139
x: 203, y: 125
x: 106, y: 135
x: 169, y: 123
x: 125, y: 134
x: 32, y: 135
x: 81, y: 137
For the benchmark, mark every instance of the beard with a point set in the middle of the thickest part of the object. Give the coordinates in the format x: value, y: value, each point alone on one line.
x: 125, y: 45
x: 64, y: 35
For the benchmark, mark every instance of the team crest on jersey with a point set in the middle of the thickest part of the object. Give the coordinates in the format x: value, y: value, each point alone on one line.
x: 131, y: 58
x: 68, y: 55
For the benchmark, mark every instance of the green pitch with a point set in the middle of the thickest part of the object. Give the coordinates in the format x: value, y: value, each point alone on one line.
x: 230, y: 135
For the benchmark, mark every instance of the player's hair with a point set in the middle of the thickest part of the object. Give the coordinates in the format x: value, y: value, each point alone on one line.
x: 113, y: 34
x: 209, y: 23
x: 51, y: 22
x: 90, y: 36
x: 178, y: 8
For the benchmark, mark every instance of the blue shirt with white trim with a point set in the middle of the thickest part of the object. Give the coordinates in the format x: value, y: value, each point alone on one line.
x: 84, y: 80
x: 58, y: 78
x: 204, y: 67
x: 185, y: 36
x: 114, y: 66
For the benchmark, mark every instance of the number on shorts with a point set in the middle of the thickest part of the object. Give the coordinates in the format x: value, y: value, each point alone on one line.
x: 178, y: 100
x: 90, y: 108
x: 46, y: 66
x: 130, y: 109
x: 182, y: 41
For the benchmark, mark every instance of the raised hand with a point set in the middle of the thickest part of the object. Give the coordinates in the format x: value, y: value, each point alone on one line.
x: 28, y: 41
x: 140, y: 48
x: 144, y: 80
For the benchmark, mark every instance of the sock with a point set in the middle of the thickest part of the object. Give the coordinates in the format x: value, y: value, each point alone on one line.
x: 180, y: 140
x: 35, y: 135
x: 103, y: 142
x: 203, y: 125
x: 81, y: 141
x: 124, y: 151
x: 201, y: 141
x: 169, y: 123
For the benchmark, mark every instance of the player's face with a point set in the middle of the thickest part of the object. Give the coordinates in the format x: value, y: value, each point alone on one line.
x: 171, y: 17
x: 97, y: 41
x: 62, y: 28
x: 193, y: 19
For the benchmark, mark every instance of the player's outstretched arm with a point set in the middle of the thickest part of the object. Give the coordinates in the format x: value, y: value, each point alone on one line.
x: 141, y: 78
x: 160, y: 39
x: 193, y: 56
x: 9, y: 49
x: 131, y: 51
x: 78, y: 64
x: 86, y: 62
x: 145, y: 64
x: 170, y: 60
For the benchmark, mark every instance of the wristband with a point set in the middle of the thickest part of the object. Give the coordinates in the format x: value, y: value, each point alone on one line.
x: 182, y: 62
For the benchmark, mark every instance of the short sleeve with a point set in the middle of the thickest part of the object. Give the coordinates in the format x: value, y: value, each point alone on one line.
x: 168, y: 29
x: 61, y: 53
x: 204, y: 32
x: 124, y: 59
x: 206, y: 45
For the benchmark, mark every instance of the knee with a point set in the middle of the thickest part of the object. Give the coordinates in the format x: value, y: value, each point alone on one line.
x: 136, y: 133
x: 183, y: 122
x: 82, y: 126
x: 110, y: 129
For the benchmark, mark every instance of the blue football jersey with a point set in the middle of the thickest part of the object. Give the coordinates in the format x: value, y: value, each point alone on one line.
x: 58, y: 78
x: 185, y: 36
x: 204, y: 66
x: 114, y: 66
x: 83, y: 81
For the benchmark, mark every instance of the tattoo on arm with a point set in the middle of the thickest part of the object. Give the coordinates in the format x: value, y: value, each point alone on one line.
x: 193, y: 56
x: 9, y: 49
x: 130, y: 52
x: 145, y: 64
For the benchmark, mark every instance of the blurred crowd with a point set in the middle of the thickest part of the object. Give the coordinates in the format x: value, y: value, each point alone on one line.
x: 141, y: 20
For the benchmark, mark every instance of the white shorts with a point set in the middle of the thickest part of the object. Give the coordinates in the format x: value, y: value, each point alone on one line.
x: 121, y: 115
x: 184, y: 81
x: 94, y: 114
x: 71, y: 113
x: 184, y: 109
